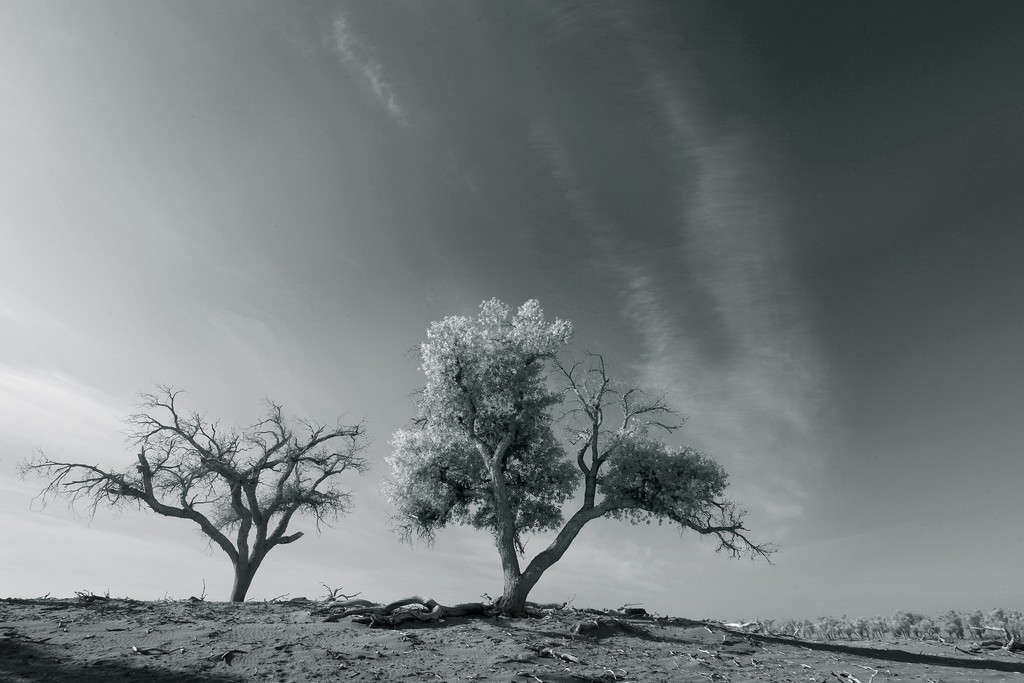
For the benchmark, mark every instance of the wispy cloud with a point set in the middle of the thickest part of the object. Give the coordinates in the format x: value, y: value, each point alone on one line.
x: 35, y: 401
x: 356, y: 55
x: 722, y: 329
x: 759, y: 402
x: 583, y: 209
x: 264, y: 353
x: 21, y: 314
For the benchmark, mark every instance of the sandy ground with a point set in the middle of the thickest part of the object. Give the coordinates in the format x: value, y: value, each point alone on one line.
x: 163, y: 642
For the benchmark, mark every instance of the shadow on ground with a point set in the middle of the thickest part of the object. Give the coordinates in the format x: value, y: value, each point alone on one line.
x: 33, y: 662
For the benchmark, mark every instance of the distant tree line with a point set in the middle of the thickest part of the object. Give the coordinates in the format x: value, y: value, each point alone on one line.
x: 949, y: 626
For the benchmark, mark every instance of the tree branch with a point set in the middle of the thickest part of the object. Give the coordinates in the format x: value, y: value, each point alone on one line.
x: 188, y: 462
x: 728, y: 528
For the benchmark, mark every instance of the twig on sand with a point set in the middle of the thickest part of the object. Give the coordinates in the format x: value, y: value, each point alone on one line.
x: 544, y: 651
x: 527, y: 674
x: 89, y: 597
x: 334, y: 594
x: 202, y: 596
x: 152, y: 651
x: 228, y: 656
x: 874, y: 672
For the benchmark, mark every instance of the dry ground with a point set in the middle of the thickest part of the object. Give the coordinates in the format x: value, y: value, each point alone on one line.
x: 109, y: 641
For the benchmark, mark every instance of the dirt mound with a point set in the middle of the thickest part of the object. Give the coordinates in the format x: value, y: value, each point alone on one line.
x: 114, y: 641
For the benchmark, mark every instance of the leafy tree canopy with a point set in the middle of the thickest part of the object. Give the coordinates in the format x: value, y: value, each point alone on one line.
x: 485, y: 393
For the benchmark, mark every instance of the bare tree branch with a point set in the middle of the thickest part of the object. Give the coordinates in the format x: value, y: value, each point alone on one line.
x: 251, y: 483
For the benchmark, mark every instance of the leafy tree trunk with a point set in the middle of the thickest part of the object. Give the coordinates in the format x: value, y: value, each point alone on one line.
x: 509, y: 567
x: 517, y: 589
x: 513, y: 601
x: 519, y: 584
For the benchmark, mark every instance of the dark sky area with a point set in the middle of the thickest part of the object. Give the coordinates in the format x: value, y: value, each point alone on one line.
x: 799, y: 220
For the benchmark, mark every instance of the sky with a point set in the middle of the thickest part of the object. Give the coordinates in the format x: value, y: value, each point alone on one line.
x: 801, y: 221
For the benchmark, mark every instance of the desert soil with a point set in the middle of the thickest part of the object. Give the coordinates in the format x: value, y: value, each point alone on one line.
x: 109, y: 641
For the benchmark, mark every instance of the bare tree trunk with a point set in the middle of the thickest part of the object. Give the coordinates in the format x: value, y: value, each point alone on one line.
x: 244, y: 573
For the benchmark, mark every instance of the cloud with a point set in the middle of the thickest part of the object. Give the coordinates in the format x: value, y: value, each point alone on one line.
x: 34, y: 401
x: 132, y: 545
x: 722, y: 324
x: 759, y: 401
x: 583, y: 209
x: 18, y: 312
x: 251, y: 343
x: 354, y: 54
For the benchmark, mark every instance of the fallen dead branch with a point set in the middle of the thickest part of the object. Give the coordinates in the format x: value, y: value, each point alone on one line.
x: 45, y: 603
x: 547, y: 651
x: 335, y: 594
x: 87, y: 597
x: 154, y: 651
x: 229, y: 656
x: 414, y: 608
x: 874, y: 672
x: 845, y: 677
x: 1010, y: 641
x: 739, y: 626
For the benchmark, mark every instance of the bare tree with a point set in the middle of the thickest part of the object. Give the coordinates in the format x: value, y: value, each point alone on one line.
x: 483, y: 450
x: 241, y: 488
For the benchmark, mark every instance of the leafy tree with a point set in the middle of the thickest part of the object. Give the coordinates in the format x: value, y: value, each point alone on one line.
x: 241, y: 488
x: 996, y: 617
x: 975, y: 622
x: 483, y: 451
x: 878, y: 626
x: 925, y: 628
x: 952, y: 624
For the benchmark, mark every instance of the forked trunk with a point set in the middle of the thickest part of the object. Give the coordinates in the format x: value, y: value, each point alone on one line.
x: 517, y: 590
x: 518, y: 584
x: 513, y: 598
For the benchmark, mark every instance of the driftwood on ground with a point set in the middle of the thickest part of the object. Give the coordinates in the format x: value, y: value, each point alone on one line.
x: 414, y: 608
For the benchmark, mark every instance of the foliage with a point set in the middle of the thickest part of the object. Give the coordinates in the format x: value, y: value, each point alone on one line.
x: 441, y: 480
x: 949, y: 626
x: 485, y: 393
x: 482, y: 450
x: 648, y: 479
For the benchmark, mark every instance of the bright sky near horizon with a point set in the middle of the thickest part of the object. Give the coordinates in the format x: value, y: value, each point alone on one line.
x: 801, y: 220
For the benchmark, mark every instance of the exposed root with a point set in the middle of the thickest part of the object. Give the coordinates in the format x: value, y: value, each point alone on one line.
x: 418, y: 609
x: 414, y: 608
